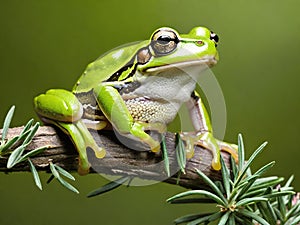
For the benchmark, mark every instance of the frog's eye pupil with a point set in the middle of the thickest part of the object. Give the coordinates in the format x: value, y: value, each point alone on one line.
x: 164, y: 39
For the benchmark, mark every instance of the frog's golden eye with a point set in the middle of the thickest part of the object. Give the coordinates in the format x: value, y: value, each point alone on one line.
x: 164, y: 41
x: 214, y: 37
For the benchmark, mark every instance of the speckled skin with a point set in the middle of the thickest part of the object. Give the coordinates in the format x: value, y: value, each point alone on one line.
x: 159, y: 97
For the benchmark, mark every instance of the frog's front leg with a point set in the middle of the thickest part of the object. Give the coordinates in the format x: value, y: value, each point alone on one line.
x: 62, y: 109
x: 204, y: 135
x: 116, y: 111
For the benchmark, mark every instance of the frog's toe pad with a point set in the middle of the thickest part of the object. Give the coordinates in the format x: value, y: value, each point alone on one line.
x: 100, y: 153
x: 83, y: 170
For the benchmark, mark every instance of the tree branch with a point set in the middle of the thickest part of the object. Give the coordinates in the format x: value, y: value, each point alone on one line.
x: 119, y: 160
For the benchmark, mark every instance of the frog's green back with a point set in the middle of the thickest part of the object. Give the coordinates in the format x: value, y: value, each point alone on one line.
x: 105, y: 66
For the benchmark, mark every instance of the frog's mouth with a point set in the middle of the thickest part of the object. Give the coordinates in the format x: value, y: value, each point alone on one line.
x: 208, y: 61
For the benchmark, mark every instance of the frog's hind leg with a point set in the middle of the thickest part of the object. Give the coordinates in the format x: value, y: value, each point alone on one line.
x: 82, y: 139
x: 62, y: 109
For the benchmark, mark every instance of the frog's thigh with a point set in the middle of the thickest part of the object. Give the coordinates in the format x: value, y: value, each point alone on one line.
x: 115, y: 110
x: 58, y: 104
x: 61, y: 108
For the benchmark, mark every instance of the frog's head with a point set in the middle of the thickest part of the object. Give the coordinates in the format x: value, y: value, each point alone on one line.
x: 168, y: 49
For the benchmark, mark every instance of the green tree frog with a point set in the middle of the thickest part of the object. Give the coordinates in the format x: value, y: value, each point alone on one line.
x: 138, y: 88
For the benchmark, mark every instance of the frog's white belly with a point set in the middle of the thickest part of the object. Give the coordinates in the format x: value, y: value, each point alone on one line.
x: 159, y: 97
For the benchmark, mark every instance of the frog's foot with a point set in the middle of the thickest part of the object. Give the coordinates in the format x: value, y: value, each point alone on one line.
x: 137, y: 130
x: 206, y: 140
x: 82, y: 140
x: 232, y: 149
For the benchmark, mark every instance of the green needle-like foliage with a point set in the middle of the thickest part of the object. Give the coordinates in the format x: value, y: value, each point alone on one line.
x: 16, y: 146
x: 180, y: 153
x: 285, y: 209
x: 57, y: 171
x: 242, y: 197
x: 165, y: 155
x: 109, y: 186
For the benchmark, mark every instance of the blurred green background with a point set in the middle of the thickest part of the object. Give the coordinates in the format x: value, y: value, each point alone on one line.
x: 47, y: 44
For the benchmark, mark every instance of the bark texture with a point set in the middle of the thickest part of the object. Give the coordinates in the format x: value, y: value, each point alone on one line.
x: 119, y: 159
